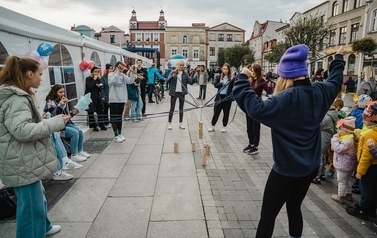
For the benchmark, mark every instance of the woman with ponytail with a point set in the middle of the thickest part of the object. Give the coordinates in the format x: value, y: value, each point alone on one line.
x: 26, y: 152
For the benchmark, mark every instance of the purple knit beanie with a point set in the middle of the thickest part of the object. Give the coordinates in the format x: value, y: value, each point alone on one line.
x: 293, y: 63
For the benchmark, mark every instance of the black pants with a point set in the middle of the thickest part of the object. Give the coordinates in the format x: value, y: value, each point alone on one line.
x: 279, y: 190
x: 202, y: 91
x: 143, y: 94
x: 116, y: 112
x: 105, y: 113
x: 150, y: 92
x: 99, y: 112
x: 225, y: 107
x: 173, y: 100
x: 253, y: 131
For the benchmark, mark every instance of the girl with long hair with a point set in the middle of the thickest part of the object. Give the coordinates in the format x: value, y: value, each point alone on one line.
x: 258, y: 84
x: 294, y: 114
x: 223, y: 99
x: 56, y: 104
x: 26, y: 152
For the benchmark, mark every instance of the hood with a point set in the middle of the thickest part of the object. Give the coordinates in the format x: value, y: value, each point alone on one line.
x: 6, y: 91
x: 333, y: 114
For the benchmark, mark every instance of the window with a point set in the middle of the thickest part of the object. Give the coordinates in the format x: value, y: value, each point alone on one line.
x: 138, y: 36
x: 147, y: 36
x: 184, y: 40
x: 156, y: 36
x: 62, y: 71
x: 357, y: 3
x: 221, y: 37
x: 229, y: 37
x: 185, y: 53
x: 332, y: 38
x: 196, y: 54
x: 237, y: 37
x: 212, y: 36
x: 112, y: 39
x: 212, y: 51
x: 346, y: 4
x: 113, y: 60
x: 335, y: 8
x: 351, y: 64
x: 343, y: 35
x: 374, y: 21
x: 354, y: 31
x: 173, y: 51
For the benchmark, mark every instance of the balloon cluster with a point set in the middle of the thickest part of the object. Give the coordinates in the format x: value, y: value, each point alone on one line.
x: 86, y: 66
x: 43, y: 50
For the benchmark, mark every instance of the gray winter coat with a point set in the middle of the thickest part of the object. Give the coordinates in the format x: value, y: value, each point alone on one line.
x: 327, y: 129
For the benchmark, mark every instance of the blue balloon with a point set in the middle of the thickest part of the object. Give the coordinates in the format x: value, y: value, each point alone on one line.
x: 45, y: 49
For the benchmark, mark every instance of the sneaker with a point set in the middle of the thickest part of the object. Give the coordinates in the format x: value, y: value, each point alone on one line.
x: 108, y: 125
x: 118, y: 139
x: 323, y: 178
x: 151, y: 101
x: 253, y: 151
x: 212, y: 128
x: 127, y: 118
x: 95, y: 129
x: 316, y: 180
x: 122, y: 137
x: 329, y: 175
x: 135, y: 120
x: 247, y: 148
x: 78, y: 158
x: 61, y: 176
x: 54, y: 229
x: 144, y: 115
x: 223, y: 130
x: 348, y: 197
x: 181, y: 126
x: 71, y: 165
x: 103, y: 128
x: 170, y: 127
x: 337, y: 198
x: 84, y: 154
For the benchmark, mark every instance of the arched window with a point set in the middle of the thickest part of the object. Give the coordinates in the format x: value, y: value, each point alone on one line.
x: 3, y: 55
x: 61, y: 71
x: 346, y: 5
x: 351, y: 64
x: 95, y: 58
x: 113, y: 60
x: 374, y: 20
x: 185, y: 40
x: 335, y: 7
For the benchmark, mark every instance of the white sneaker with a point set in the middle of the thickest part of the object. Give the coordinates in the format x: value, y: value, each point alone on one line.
x: 78, y: 158
x: 54, y: 229
x: 122, y: 137
x: 170, y: 127
x: 108, y: 125
x: 62, y: 176
x: 84, y: 154
x: 118, y: 139
x: 223, y: 130
x: 181, y: 126
x: 71, y: 165
x: 211, y: 129
x: 127, y: 118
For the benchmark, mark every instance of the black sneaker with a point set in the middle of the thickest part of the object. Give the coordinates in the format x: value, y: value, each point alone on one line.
x: 247, y: 148
x: 316, y: 180
x: 103, y: 128
x: 253, y: 151
x: 95, y: 129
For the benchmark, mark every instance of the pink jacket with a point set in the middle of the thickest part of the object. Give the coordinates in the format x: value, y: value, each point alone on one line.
x: 344, y: 154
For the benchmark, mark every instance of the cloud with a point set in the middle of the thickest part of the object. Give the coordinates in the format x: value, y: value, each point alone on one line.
x: 99, y: 13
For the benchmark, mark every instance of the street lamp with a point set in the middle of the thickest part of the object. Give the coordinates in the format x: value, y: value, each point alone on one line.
x: 361, y: 54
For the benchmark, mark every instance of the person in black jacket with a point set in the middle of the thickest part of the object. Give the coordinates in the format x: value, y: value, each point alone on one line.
x: 93, y: 86
x: 105, y: 94
x: 223, y: 100
x: 142, y: 75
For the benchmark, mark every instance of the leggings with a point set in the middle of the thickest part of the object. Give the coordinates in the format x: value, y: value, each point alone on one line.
x: 253, y: 131
x: 281, y: 189
x: 225, y: 107
x: 116, y: 112
x: 173, y: 100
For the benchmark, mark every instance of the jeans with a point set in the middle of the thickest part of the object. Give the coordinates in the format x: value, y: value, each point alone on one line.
x: 59, y: 148
x: 282, y: 189
x: 136, y: 108
x: 368, y: 187
x: 150, y: 92
x: 31, y: 216
x: 77, y: 137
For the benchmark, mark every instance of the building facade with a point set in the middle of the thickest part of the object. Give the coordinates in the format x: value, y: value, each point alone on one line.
x: 149, y: 34
x: 84, y: 30
x: 189, y: 41
x: 220, y: 37
x: 113, y: 35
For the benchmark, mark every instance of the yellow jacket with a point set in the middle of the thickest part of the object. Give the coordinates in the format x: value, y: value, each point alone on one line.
x: 364, y: 157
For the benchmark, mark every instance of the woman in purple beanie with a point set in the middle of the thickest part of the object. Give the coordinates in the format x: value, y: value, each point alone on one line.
x: 296, y: 139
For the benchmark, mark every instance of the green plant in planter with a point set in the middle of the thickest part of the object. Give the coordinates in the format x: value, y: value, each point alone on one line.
x: 365, y: 45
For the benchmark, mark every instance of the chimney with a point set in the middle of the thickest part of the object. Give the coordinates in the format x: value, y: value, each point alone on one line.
x: 73, y: 27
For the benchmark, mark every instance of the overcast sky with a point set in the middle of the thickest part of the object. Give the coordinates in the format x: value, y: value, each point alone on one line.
x: 100, y: 13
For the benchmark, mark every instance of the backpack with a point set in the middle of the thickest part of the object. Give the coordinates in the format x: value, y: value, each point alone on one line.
x: 7, y: 205
x: 373, y: 93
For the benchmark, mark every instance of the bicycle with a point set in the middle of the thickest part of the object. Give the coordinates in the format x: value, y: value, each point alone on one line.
x: 158, y: 92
